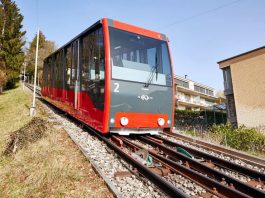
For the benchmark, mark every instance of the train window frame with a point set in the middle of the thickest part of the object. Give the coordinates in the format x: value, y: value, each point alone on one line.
x: 74, y: 64
x: 139, y: 71
x: 56, y: 69
x: 44, y: 80
x: 61, y: 68
x: 50, y: 72
x: 68, y: 65
x: 95, y: 62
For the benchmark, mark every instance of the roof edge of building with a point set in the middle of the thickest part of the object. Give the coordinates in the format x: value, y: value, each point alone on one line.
x: 221, y: 63
x: 197, y: 83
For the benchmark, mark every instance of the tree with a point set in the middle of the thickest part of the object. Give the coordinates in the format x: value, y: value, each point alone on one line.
x: 11, y: 41
x: 46, y: 47
x: 2, y: 80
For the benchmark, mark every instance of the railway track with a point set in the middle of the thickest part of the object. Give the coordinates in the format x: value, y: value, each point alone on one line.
x: 212, y: 161
x: 160, y: 164
x: 199, y: 167
x: 156, y: 179
x: 230, y: 153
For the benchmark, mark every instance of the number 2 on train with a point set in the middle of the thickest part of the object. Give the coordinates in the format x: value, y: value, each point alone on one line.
x: 116, y: 89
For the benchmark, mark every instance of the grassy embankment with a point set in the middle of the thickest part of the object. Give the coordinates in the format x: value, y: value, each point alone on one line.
x: 242, y: 138
x: 44, y: 165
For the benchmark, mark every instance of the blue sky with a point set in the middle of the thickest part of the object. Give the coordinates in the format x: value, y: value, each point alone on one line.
x: 201, y: 32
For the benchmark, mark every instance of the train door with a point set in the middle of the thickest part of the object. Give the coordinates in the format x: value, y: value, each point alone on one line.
x: 75, y: 72
x: 67, y: 78
x: 49, y: 77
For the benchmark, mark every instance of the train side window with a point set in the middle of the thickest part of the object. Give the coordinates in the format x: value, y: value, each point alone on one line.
x: 44, y: 74
x: 57, y: 70
x: 93, y: 67
x: 85, y: 74
x: 61, y: 69
x: 54, y: 72
x: 48, y: 72
x: 68, y: 66
x: 93, y: 64
x: 92, y: 53
x: 97, y: 56
x: 51, y: 75
x: 74, y: 64
x: 101, y: 55
x: 51, y: 71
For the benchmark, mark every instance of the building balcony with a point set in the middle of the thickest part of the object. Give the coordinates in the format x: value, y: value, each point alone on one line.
x: 193, y: 92
x: 192, y: 103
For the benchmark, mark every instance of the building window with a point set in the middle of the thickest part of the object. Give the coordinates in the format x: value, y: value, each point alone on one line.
x: 203, y: 90
x: 187, y: 98
x: 227, y: 79
x: 196, y: 99
x: 199, y: 89
x: 182, y: 83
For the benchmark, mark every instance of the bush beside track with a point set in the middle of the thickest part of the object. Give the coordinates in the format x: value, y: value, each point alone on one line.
x: 241, y: 138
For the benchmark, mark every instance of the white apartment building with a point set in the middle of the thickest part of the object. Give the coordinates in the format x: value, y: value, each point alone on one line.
x: 194, y: 96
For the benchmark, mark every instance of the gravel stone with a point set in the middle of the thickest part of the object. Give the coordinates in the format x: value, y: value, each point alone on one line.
x: 106, y: 160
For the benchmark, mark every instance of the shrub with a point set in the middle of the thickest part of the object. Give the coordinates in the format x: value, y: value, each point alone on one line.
x: 242, y: 138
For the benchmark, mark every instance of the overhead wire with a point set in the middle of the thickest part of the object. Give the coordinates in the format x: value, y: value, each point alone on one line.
x: 201, y: 13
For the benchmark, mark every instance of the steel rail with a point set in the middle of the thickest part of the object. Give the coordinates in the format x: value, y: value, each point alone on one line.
x: 216, y: 160
x: 220, y: 149
x: 209, y: 184
x: 238, y: 185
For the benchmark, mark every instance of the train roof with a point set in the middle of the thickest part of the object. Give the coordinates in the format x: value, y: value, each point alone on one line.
x: 118, y: 25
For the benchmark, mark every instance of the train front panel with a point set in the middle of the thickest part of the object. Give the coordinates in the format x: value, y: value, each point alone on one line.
x: 141, y: 82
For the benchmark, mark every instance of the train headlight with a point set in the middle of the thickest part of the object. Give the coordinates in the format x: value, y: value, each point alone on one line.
x: 124, y: 121
x: 160, y: 121
x: 169, y: 122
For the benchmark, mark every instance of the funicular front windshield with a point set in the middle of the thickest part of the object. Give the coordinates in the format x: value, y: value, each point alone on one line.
x: 138, y: 58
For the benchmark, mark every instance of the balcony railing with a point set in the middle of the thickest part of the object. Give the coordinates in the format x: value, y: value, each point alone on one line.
x: 195, y: 102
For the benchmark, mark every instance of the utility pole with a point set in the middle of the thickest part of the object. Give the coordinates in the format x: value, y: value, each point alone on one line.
x: 32, y: 111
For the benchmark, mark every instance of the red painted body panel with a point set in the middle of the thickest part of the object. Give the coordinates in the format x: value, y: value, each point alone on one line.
x: 107, y: 75
x: 173, y: 87
x: 140, y: 120
x: 86, y: 112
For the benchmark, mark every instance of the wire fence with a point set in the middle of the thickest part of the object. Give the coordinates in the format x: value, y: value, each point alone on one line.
x: 198, y: 122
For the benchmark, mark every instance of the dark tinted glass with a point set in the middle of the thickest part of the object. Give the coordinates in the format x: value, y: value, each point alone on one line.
x: 135, y: 56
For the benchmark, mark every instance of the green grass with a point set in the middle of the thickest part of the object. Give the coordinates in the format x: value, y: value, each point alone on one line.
x: 14, y: 112
x: 50, y: 167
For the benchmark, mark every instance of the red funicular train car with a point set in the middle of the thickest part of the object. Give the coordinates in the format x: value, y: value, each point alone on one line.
x: 114, y: 77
